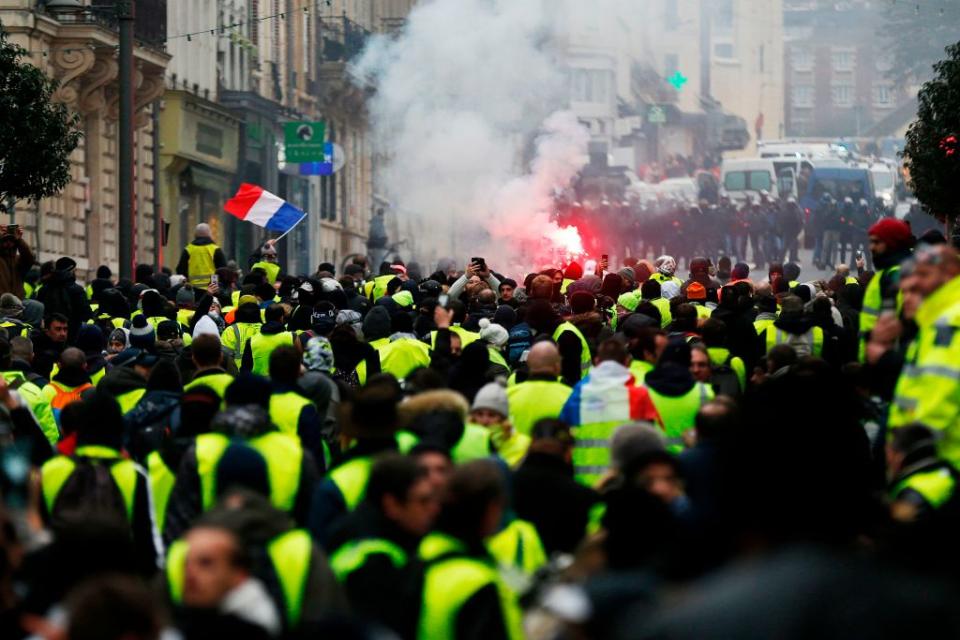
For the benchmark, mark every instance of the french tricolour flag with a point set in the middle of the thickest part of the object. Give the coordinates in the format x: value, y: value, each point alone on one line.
x: 264, y: 209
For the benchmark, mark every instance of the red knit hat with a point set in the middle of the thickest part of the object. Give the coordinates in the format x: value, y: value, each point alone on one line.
x: 696, y: 291
x: 894, y: 233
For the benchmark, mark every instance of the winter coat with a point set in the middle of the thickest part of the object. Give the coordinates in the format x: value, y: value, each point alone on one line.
x: 62, y: 294
x: 13, y: 267
x: 545, y: 493
x: 150, y: 422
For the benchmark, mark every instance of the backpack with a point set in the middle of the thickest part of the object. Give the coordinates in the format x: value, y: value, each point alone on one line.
x: 62, y: 398
x: 724, y: 379
x: 90, y: 492
x: 519, y: 342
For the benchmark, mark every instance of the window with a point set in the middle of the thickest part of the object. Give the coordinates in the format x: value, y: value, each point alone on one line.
x: 600, y: 86
x: 578, y: 85
x: 723, y: 15
x: 671, y: 15
x: 724, y: 50
x: 842, y: 95
x: 209, y: 140
x: 801, y: 95
x: 735, y: 181
x: 590, y: 85
x: 747, y: 181
x: 882, y: 95
x: 842, y: 59
x: 759, y: 180
x: 801, y: 59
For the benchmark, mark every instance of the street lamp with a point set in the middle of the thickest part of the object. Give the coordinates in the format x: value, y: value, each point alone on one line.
x: 123, y: 11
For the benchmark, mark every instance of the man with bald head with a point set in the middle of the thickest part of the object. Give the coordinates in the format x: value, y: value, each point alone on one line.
x: 70, y: 384
x: 928, y: 390
x: 201, y: 258
x: 542, y: 395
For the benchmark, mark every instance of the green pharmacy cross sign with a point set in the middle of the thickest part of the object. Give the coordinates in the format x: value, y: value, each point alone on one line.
x: 304, y: 141
x: 677, y: 80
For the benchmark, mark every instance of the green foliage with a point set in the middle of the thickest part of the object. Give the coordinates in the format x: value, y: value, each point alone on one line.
x: 931, y: 153
x: 36, y: 135
x: 916, y: 34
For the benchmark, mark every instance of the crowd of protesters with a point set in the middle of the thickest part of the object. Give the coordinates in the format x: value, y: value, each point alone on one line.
x: 639, y: 452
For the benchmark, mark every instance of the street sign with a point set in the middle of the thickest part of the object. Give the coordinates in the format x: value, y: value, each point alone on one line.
x: 656, y: 115
x: 333, y: 161
x: 304, y: 141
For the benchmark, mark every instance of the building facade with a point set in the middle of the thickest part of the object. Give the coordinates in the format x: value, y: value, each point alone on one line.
x: 264, y: 63
x: 725, y: 60
x: 78, y: 48
x: 837, y: 81
x: 216, y: 81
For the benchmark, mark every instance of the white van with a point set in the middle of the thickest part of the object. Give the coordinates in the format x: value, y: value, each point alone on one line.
x: 794, y: 149
x: 777, y: 176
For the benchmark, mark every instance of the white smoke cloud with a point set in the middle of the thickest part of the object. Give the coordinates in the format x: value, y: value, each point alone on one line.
x: 459, y: 95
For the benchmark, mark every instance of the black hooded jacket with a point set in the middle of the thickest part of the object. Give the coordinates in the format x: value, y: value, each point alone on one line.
x: 62, y: 294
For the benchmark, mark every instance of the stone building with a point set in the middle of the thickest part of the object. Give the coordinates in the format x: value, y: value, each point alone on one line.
x: 78, y: 47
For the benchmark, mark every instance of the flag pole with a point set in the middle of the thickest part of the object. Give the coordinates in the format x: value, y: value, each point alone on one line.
x: 280, y: 237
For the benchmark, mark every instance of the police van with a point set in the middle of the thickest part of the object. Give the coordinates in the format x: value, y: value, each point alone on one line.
x: 778, y: 176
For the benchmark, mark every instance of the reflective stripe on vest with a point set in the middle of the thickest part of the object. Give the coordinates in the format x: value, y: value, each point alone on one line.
x: 262, y: 345
x: 351, y: 479
x: 450, y: 580
x: 290, y: 554
x: 201, y: 265
x: 354, y: 554
x: 518, y: 545
x: 237, y: 335
x: 584, y: 347
x: 285, y: 409
x: 162, y: 480
x: 591, y: 450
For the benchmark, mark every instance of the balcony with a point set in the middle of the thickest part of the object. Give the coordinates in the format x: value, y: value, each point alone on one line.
x: 150, y: 21
x: 343, y: 39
